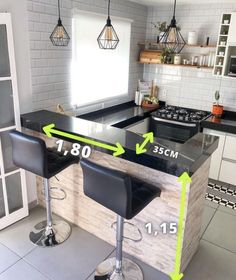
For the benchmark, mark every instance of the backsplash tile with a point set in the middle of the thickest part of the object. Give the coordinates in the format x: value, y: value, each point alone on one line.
x: 195, y: 88
x: 50, y: 66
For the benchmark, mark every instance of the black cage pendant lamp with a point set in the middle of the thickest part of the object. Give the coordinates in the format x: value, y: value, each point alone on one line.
x: 108, y: 39
x: 172, y: 39
x: 59, y: 36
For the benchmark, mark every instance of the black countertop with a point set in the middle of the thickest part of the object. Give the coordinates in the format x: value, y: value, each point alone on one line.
x: 227, y: 123
x: 192, y: 154
x: 120, y: 115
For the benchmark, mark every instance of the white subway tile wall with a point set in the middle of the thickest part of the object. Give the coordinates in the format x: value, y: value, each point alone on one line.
x: 50, y: 66
x: 189, y: 87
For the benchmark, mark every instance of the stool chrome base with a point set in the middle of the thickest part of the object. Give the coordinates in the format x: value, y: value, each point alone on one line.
x: 45, y: 236
x: 130, y: 270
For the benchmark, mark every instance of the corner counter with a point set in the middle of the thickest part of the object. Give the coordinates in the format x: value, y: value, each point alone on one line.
x: 227, y: 123
x: 159, y: 250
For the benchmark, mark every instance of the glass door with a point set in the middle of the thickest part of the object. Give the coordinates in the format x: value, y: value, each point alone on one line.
x: 13, y: 195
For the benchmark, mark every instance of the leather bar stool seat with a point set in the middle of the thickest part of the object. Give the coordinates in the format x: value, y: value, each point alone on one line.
x: 57, y: 162
x: 30, y: 153
x: 126, y: 196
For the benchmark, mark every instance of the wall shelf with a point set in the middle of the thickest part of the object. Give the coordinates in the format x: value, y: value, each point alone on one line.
x: 177, y: 65
x: 225, y: 36
x: 155, y: 44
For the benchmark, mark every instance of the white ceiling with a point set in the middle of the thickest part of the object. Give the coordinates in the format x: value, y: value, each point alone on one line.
x: 156, y: 2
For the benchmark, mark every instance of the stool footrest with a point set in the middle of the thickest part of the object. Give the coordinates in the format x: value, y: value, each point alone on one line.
x: 63, y: 197
x: 113, y: 226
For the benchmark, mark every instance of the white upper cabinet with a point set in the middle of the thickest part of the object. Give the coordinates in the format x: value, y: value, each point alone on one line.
x: 232, y: 31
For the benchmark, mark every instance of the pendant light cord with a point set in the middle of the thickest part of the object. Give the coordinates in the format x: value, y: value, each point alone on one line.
x: 109, y: 5
x: 174, y: 8
x: 59, y: 10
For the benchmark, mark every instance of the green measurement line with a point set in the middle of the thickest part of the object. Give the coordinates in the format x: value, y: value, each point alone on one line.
x: 184, y: 179
x: 50, y: 129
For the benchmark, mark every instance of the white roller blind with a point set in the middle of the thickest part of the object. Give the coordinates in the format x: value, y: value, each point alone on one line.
x: 98, y: 74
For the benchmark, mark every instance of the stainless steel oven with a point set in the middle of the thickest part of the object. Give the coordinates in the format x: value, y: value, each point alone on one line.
x: 173, y: 130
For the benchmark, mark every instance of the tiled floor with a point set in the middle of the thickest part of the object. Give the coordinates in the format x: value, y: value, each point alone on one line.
x: 77, y: 258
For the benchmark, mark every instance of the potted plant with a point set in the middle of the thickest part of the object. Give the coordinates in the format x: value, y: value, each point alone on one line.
x: 217, y: 108
x: 161, y: 28
x: 166, y: 56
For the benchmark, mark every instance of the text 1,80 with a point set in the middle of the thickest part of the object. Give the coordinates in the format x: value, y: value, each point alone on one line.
x: 76, y: 150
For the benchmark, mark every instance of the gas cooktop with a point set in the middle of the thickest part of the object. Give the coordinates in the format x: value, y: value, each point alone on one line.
x: 181, y: 114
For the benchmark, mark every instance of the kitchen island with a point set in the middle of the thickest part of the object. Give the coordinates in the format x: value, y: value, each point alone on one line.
x: 158, y: 250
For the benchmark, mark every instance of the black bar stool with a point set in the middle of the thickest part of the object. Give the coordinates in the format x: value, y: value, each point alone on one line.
x: 126, y: 196
x: 30, y: 153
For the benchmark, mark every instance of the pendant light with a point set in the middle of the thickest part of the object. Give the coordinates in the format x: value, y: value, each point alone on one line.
x: 172, y: 39
x: 108, y: 39
x: 59, y: 36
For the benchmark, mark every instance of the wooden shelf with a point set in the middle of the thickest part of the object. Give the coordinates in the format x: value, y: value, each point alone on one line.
x: 150, y: 43
x: 179, y: 65
x: 3, y: 129
x: 2, y: 79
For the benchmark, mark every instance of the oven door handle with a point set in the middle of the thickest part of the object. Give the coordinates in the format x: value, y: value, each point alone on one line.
x: 175, y: 122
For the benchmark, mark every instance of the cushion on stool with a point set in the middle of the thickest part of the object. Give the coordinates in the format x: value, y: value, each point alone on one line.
x: 58, y: 162
x: 116, y: 190
x: 142, y: 195
x: 31, y: 154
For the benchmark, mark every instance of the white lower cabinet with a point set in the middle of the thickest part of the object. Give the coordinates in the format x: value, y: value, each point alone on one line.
x: 217, y: 155
x: 228, y: 172
x: 230, y: 148
x: 223, y: 162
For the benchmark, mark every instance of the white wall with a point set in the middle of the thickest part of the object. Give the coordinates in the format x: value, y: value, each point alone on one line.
x: 18, y: 10
x: 51, y: 65
x: 185, y: 86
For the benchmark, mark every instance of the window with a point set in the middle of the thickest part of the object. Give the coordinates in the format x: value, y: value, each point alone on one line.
x: 98, y: 74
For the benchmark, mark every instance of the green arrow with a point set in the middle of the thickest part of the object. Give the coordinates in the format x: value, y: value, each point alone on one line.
x: 140, y: 149
x: 184, y: 179
x: 118, y: 149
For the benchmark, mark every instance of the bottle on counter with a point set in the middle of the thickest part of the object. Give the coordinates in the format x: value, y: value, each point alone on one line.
x: 140, y: 100
x: 136, y: 100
